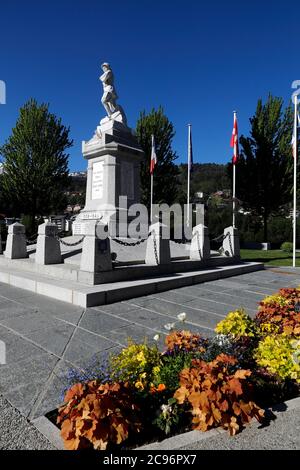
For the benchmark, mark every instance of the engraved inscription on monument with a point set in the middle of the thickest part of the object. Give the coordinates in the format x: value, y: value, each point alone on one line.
x: 127, y: 180
x: 97, y: 180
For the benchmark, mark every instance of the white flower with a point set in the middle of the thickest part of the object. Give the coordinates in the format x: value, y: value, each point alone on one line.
x: 181, y: 316
x: 222, y: 340
x: 169, y: 326
x: 156, y: 337
x: 166, y: 409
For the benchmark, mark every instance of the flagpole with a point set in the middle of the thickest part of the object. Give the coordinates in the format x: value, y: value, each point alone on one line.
x: 152, y: 165
x: 189, y: 176
x: 295, y: 181
x: 233, y: 192
x: 151, y: 200
x: 234, y: 185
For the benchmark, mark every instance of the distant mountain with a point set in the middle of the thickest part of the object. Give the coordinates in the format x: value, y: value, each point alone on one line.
x: 205, y: 177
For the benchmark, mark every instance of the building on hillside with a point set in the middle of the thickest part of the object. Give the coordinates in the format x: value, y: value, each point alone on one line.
x: 78, y: 174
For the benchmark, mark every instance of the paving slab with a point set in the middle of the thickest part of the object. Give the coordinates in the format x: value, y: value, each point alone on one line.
x: 228, y: 295
x: 61, y: 310
x: 192, y: 297
x: 52, y: 339
x: 119, y: 308
x: 232, y: 294
x: 84, y: 345
x: 26, y: 371
x: 199, y: 316
x: 101, y: 323
x: 30, y: 322
x: 149, y: 319
x: 9, y: 308
x: 17, y: 347
x: 51, y: 395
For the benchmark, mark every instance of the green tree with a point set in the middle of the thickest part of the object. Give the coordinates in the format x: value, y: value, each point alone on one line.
x: 264, y: 178
x: 36, y: 162
x: 165, y: 187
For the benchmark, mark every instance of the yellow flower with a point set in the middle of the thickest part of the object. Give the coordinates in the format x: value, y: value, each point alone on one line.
x: 156, y: 370
x: 140, y: 356
x: 139, y: 385
x: 269, y: 328
x: 275, y: 298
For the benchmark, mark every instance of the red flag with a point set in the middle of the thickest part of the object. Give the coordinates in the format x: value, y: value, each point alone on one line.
x: 234, y: 142
x: 153, y: 157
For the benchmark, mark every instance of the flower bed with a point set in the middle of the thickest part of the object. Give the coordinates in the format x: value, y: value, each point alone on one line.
x: 142, y: 394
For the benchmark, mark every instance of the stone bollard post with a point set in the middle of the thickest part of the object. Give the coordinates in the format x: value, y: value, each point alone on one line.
x: 158, y: 248
x: 200, y: 244
x: 231, y: 244
x: 16, y: 242
x: 48, y: 246
x: 96, y: 255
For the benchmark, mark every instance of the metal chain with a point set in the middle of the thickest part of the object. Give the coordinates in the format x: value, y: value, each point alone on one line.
x: 78, y: 242
x: 221, y: 249
x: 31, y: 242
x: 181, y: 242
x: 70, y: 244
x: 139, y: 242
x: 155, y: 248
x: 32, y: 239
x: 220, y: 238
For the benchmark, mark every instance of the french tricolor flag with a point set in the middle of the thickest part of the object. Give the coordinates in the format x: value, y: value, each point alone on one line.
x: 153, y: 161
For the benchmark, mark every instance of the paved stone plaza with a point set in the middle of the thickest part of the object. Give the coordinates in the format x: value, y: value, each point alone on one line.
x: 44, y: 338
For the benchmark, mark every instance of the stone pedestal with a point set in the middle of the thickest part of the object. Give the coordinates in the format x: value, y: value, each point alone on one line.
x: 200, y: 245
x: 114, y: 158
x: 200, y: 214
x: 96, y: 255
x: 16, y: 242
x: 158, y: 248
x: 48, y: 246
x: 231, y: 244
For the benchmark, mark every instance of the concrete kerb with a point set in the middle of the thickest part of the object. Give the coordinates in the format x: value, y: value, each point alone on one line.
x: 52, y: 433
x: 49, y: 430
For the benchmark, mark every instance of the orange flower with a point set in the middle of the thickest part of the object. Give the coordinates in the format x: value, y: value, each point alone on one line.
x: 160, y: 388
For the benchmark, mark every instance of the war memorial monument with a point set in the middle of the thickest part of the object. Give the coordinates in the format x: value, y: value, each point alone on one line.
x: 102, y: 263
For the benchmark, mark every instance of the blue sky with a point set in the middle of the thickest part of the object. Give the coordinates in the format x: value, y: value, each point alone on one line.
x: 199, y: 60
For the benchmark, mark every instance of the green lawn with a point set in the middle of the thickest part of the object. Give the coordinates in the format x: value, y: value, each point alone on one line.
x: 271, y: 257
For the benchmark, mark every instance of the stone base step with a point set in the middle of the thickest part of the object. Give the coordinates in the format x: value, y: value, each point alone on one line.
x: 121, y: 272
x: 88, y: 296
